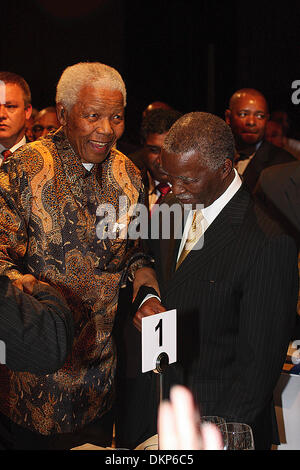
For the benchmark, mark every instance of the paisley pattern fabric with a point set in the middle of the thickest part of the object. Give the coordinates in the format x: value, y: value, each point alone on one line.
x: 48, y: 227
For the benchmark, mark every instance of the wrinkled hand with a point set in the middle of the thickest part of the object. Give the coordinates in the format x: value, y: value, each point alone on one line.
x: 150, y: 307
x: 178, y: 424
x: 144, y: 277
x: 27, y: 282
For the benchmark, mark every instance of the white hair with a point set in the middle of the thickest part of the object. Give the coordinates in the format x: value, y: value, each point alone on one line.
x: 83, y: 74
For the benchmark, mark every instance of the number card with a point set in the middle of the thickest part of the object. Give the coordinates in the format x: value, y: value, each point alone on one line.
x: 158, y: 336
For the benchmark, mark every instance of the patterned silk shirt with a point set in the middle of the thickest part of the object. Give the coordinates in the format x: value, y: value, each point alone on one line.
x: 50, y: 227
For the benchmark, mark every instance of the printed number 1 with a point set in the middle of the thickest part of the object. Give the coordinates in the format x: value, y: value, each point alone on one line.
x: 159, y: 327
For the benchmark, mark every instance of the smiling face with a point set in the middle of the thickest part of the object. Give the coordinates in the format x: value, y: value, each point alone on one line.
x: 247, y: 118
x: 192, y: 181
x: 94, y: 123
x: 13, y: 114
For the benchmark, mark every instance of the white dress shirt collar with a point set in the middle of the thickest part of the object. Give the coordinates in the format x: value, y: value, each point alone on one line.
x: 14, y: 147
x: 88, y: 166
x: 18, y: 145
x: 212, y: 211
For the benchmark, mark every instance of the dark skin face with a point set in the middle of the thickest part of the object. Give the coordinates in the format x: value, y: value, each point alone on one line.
x: 44, y: 123
x: 247, y: 117
x: 152, y: 151
x: 94, y: 123
x: 192, y: 181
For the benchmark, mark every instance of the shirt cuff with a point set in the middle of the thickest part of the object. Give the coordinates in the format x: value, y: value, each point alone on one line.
x: 149, y: 296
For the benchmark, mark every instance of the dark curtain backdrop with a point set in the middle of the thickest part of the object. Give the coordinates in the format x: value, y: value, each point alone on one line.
x: 268, y: 52
x: 192, y: 54
x: 176, y: 51
x: 42, y: 37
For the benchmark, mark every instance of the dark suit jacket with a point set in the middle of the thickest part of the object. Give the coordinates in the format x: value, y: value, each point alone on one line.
x: 267, y: 155
x: 236, y: 304
x: 36, y: 331
x: 281, y: 185
x: 278, y: 188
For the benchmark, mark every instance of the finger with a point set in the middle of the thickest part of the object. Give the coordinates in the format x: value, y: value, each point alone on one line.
x: 150, y: 310
x: 167, y: 431
x: 28, y: 283
x: 18, y: 283
x: 152, y: 306
x: 160, y: 308
x: 185, y: 414
x: 211, y: 436
x: 140, y: 314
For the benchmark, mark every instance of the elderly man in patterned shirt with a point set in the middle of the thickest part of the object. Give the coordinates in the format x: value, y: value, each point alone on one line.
x: 50, y: 194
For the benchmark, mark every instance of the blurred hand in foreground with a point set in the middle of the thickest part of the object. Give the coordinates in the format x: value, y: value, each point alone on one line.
x: 178, y: 424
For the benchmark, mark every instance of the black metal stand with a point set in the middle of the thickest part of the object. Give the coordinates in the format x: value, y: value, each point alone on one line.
x: 162, y: 363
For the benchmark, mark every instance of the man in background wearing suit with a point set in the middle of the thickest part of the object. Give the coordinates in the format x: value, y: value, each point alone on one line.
x: 154, y: 128
x: 281, y: 186
x: 278, y: 188
x: 15, y: 110
x: 236, y: 290
x: 247, y: 116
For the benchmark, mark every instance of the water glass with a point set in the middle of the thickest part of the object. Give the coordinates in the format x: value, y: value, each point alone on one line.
x: 237, y: 436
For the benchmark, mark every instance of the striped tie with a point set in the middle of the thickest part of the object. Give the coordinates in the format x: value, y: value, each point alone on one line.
x: 193, y: 237
x: 6, y: 154
x: 163, y: 188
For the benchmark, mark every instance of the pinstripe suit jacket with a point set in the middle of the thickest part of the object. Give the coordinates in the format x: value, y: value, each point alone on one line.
x: 236, y: 304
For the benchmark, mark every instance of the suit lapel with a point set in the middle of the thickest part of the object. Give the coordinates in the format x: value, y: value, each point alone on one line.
x: 221, y: 232
x: 256, y: 165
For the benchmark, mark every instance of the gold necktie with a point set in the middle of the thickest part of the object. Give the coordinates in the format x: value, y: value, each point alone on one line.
x: 193, y: 237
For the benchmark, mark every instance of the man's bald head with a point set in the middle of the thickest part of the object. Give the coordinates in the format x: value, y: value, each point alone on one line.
x: 156, y: 105
x: 247, y: 93
x: 247, y: 116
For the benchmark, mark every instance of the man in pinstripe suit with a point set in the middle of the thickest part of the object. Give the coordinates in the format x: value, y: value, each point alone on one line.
x: 236, y: 296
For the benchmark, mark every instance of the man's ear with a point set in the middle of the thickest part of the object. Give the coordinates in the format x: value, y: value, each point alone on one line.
x: 227, y: 116
x: 227, y: 168
x: 61, y: 114
x: 28, y: 111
